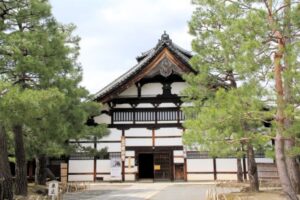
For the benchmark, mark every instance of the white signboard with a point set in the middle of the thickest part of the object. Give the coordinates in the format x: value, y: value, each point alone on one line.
x: 53, y: 188
x: 115, y: 168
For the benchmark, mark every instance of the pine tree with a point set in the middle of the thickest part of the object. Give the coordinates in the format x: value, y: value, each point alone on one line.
x: 38, y: 54
x: 234, y: 41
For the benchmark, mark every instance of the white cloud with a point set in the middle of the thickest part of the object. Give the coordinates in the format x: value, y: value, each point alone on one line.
x: 114, y: 32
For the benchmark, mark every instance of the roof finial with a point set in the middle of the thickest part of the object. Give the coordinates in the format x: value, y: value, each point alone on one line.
x: 165, y: 36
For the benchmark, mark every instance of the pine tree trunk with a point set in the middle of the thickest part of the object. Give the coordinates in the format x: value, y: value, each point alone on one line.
x: 292, y: 165
x: 6, y: 182
x: 239, y: 170
x: 21, y: 168
x: 279, y: 140
x: 252, y: 169
x: 40, y: 170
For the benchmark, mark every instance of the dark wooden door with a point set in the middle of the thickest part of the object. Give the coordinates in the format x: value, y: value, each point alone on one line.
x: 162, y: 166
x: 179, y: 172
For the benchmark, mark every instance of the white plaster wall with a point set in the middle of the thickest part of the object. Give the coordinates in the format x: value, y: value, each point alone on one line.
x: 81, y: 178
x: 200, y: 165
x: 168, y: 132
x: 178, y: 87
x: 123, y: 105
x: 114, y: 135
x: 226, y: 177
x: 226, y: 164
x: 131, y: 91
x: 81, y: 166
x: 111, y: 147
x: 178, y: 153
x: 169, y: 122
x: 103, y: 166
x: 151, y: 89
x: 145, y: 105
x: 130, y: 153
x: 138, y: 142
x: 168, y: 141
x: 166, y: 105
x: 178, y: 160
x: 103, y: 118
x: 200, y: 177
x: 138, y: 132
x: 264, y: 160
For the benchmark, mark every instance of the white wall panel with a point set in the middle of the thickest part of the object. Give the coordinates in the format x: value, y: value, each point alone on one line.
x: 168, y: 141
x: 145, y: 105
x: 138, y: 132
x: 178, y: 153
x: 226, y: 164
x: 111, y: 147
x: 103, y: 166
x: 200, y: 165
x: 178, y: 87
x: 113, y: 135
x: 131, y: 91
x: 138, y: 142
x: 178, y: 160
x: 81, y: 178
x: 151, y: 89
x: 81, y: 166
x: 200, y: 177
x: 168, y: 132
x: 226, y: 177
x: 166, y: 105
x: 103, y: 118
x: 130, y: 153
x: 264, y: 160
x: 123, y: 105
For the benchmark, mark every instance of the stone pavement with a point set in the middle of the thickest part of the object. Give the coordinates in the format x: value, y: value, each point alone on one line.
x: 143, y: 191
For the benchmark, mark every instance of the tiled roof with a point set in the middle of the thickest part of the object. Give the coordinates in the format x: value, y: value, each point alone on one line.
x: 143, y: 60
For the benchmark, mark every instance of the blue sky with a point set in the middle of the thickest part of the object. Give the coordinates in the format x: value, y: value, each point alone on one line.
x: 114, y: 32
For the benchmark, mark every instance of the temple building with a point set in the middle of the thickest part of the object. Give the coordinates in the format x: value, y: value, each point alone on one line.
x: 142, y: 109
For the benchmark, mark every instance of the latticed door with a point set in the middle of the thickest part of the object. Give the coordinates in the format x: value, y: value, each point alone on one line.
x: 162, y: 166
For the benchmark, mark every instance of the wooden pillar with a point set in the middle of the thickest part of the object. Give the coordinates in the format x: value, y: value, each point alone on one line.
x: 123, y: 154
x: 244, y: 168
x: 184, y: 160
x: 153, y: 138
x: 185, y: 169
x: 215, y: 168
x: 95, y: 159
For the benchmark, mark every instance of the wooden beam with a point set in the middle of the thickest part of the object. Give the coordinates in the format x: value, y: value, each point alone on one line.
x: 215, y: 168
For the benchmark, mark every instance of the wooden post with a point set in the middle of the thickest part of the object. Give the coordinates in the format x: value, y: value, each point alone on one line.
x: 64, y: 173
x: 244, y: 167
x: 123, y: 154
x: 95, y: 159
x: 215, y: 168
x: 185, y: 170
x: 153, y: 138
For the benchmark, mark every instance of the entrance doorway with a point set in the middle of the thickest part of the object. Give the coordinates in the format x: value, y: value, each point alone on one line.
x: 146, y: 166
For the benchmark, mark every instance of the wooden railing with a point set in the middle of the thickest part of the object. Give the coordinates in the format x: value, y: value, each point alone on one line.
x: 147, y: 115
